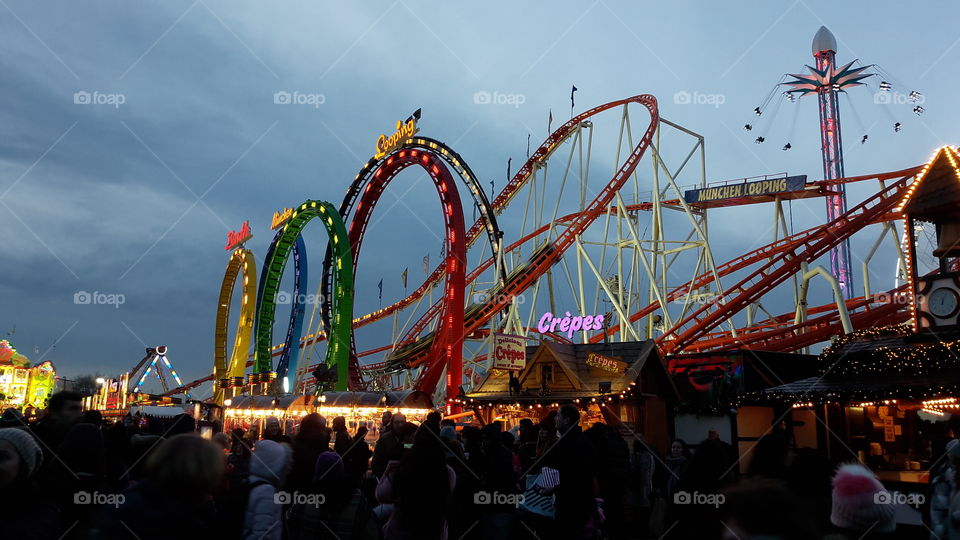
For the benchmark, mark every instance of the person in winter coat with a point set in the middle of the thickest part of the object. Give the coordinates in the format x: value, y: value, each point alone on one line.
x: 336, y: 509
x: 269, y: 465
x: 387, y: 444
x: 642, y: 465
x: 26, y: 513
x: 420, y: 486
x: 79, y: 470
x: 943, y: 486
x: 272, y: 431
x: 342, y: 441
x: 574, y: 458
x: 312, y: 440
x: 357, y: 457
x: 174, y: 498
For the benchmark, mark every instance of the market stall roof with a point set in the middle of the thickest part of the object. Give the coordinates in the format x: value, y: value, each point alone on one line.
x: 411, y: 400
x: 876, y: 364
x: 156, y: 410
x: 576, y: 377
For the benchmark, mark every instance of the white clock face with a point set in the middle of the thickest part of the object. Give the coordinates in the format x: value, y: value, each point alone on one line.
x: 943, y: 302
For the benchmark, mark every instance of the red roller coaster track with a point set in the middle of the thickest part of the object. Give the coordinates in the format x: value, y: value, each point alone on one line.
x: 446, y: 352
x: 696, y: 331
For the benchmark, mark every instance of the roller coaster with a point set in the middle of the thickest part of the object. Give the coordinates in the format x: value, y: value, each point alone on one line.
x: 633, y: 272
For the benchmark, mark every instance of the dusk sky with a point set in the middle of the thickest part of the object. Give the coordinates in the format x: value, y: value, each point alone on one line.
x: 131, y: 188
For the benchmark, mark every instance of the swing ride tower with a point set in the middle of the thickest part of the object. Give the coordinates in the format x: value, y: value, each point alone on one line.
x: 826, y: 80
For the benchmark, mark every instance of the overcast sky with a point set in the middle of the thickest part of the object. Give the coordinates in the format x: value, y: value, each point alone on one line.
x: 130, y: 188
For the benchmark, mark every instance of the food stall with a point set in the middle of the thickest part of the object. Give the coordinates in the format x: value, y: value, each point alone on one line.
x: 886, y: 397
x: 357, y: 408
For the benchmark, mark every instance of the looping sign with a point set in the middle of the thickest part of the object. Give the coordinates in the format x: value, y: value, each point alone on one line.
x: 770, y: 186
x: 405, y: 130
x: 236, y: 239
x: 509, y: 352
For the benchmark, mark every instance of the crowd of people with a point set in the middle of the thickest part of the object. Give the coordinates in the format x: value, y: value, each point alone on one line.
x: 68, y: 475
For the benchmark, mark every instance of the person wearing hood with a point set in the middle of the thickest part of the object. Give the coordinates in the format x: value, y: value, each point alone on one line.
x: 269, y: 465
x: 273, y: 432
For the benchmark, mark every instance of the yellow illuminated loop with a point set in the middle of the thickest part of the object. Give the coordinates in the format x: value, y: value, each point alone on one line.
x: 241, y: 266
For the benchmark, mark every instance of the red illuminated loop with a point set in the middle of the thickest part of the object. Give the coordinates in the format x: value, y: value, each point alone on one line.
x: 447, y: 349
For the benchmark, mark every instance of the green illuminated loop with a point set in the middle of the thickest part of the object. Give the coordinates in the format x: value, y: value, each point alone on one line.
x: 338, y: 338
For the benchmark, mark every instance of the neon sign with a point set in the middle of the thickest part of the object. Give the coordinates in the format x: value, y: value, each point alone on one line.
x: 280, y: 217
x: 404, y: 131
x: 236, y: 239
x: 568, y: 324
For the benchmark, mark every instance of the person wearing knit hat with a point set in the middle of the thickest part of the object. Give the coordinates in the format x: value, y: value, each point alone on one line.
x: 20, y: 455
x: 860, y: 502
x: 28, y: 511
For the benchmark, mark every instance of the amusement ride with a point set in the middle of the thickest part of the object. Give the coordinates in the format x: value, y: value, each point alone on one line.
x: 613, y: 229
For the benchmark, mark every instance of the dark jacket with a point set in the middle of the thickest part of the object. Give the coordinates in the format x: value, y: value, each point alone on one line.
x: 149, y: 513
x: 574, y: 457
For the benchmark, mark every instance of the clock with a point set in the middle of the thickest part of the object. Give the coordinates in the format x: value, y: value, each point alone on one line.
x: 943, y: 302
x: 938, y: 301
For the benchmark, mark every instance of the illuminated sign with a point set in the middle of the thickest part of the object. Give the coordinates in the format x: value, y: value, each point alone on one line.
x: 280, y: 217
x: 509, y: 352
x: 236, y: 239
x: 568, y: 324
x: 746, y: 189
x: 404, y: 131
x: 607, y: 363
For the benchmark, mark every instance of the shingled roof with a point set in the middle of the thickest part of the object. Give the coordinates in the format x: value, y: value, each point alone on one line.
x: 574, y: 378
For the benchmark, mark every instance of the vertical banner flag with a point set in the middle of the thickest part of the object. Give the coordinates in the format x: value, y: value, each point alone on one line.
x: 403, y: 277
x: 573, y: 89
x: 426, y: 263
x: 380, y: 286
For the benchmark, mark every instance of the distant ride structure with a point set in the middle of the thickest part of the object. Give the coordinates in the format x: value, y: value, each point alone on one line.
x: 582, y: 246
